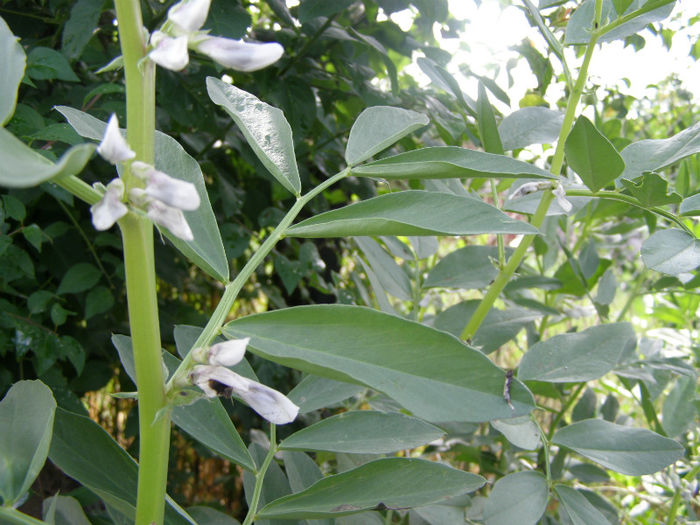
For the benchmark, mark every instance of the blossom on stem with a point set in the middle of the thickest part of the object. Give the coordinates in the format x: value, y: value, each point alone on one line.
x: 217, y: 380
x: 189, y: 15
x: 113, y: 147
x: 169, y: 52
x: 239, y: 55
x: 170, y: 218
x: 169, y: 190
x: 110, y: 208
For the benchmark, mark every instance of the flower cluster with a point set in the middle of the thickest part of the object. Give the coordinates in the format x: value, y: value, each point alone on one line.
x: 169, y: 45
x: 163, y: 198
x: 215, y: 379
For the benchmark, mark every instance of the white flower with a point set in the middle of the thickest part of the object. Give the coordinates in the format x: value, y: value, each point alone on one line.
x: 269, y: 403
x: 239, y: 55
x: 113, y: 147
x: 560, y: 195
x: 189, y: 16
x: 170, y: 218
x: 169, y: 52
x: 110, y: 208
x: 169, y: 190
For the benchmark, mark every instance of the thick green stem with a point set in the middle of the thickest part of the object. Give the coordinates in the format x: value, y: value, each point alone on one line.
x: 137, y: 235
x: 11, y: 516
x: 557, y: 163
x: 80, y: 189
x: 260, y: 476
x: 218, y: 318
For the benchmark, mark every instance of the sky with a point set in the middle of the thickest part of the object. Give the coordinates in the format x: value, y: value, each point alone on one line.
x: 492, y: 29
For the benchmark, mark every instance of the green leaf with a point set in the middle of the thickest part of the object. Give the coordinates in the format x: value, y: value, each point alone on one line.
x: 275, y: 484
x: 26, y: 421
x: 44, y: 63
x: 520, y: 431
x: 310, y: 9
x: 651, y: 190
x: 653, y: 155
x: 429, y: 372
x: 679, y: 410
x: 78, y: 278
x: 22, y: 167
x: 578, y: 30
x: 228, y: 19
x: 38, y: 301
x: 497, y: 328
x: 80, y: 27
x: 446, y: 162
x: 63, y: 510
x: 519, y: 498
x: 315, y: 392
x: 12, y: 63
x: 98, y: 301
x: 690, y: 206
x: 488, y: 130
x: 206, y: 420
x: 267, y: 131
x: 591, y: 155
x: 466, y: 268
x: 377, y: 128
x: 391, y: 276
x: 530, y: 125
x: 363, y: 432
x: 632, y: 451
x: 581, y: 356
x: 385, y: 483
x: 671, y: 251
x: 579, y: 509
x: 411, y: 213
x: 206, y: 250
x: 209, y: 516
x: 447, y: 83
x: 85, y: 452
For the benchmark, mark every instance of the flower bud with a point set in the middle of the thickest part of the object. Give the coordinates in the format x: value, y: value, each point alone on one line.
x: 239, y: 55
x: 173, y: 192
x: 113, y: 147
x: 168, y: 52
x: 110, y: 208
x: 170, y: 218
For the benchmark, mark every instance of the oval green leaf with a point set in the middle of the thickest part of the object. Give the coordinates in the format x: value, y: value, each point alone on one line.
x: 315, y: 392
x: 23, y: 167
x: 632, y: 451
x: 445, y: 162
x: 206, y: 250
x: 431, y: 373
x: 267, y: 131
x: 519, y: 498
x: 394, y: 483
x: 364, y: 432
x: 12, y: 63
x: 466, y: 268
x: 580, y: 510
x: 411, y: 213
x: 580, y: 356
x: 377, y: 128
x: 83, y: 450
x: 531, y: 125
x: 26, y: 422
x: 591, y: 155
x: 671, y: 252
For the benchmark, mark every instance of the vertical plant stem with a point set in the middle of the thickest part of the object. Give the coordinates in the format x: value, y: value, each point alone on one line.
x: 545, y: 447
x: 557, y: 163
x: 137, y: 235
x: 260, y: 476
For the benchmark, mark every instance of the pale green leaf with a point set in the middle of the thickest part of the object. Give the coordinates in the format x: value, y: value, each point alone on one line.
x: 671, y: 251
x: 580, y: 510
x: 530, y: 125
x: 519, y: 498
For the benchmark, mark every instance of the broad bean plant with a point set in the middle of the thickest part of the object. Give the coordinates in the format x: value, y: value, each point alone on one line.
x: 414, y: 382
